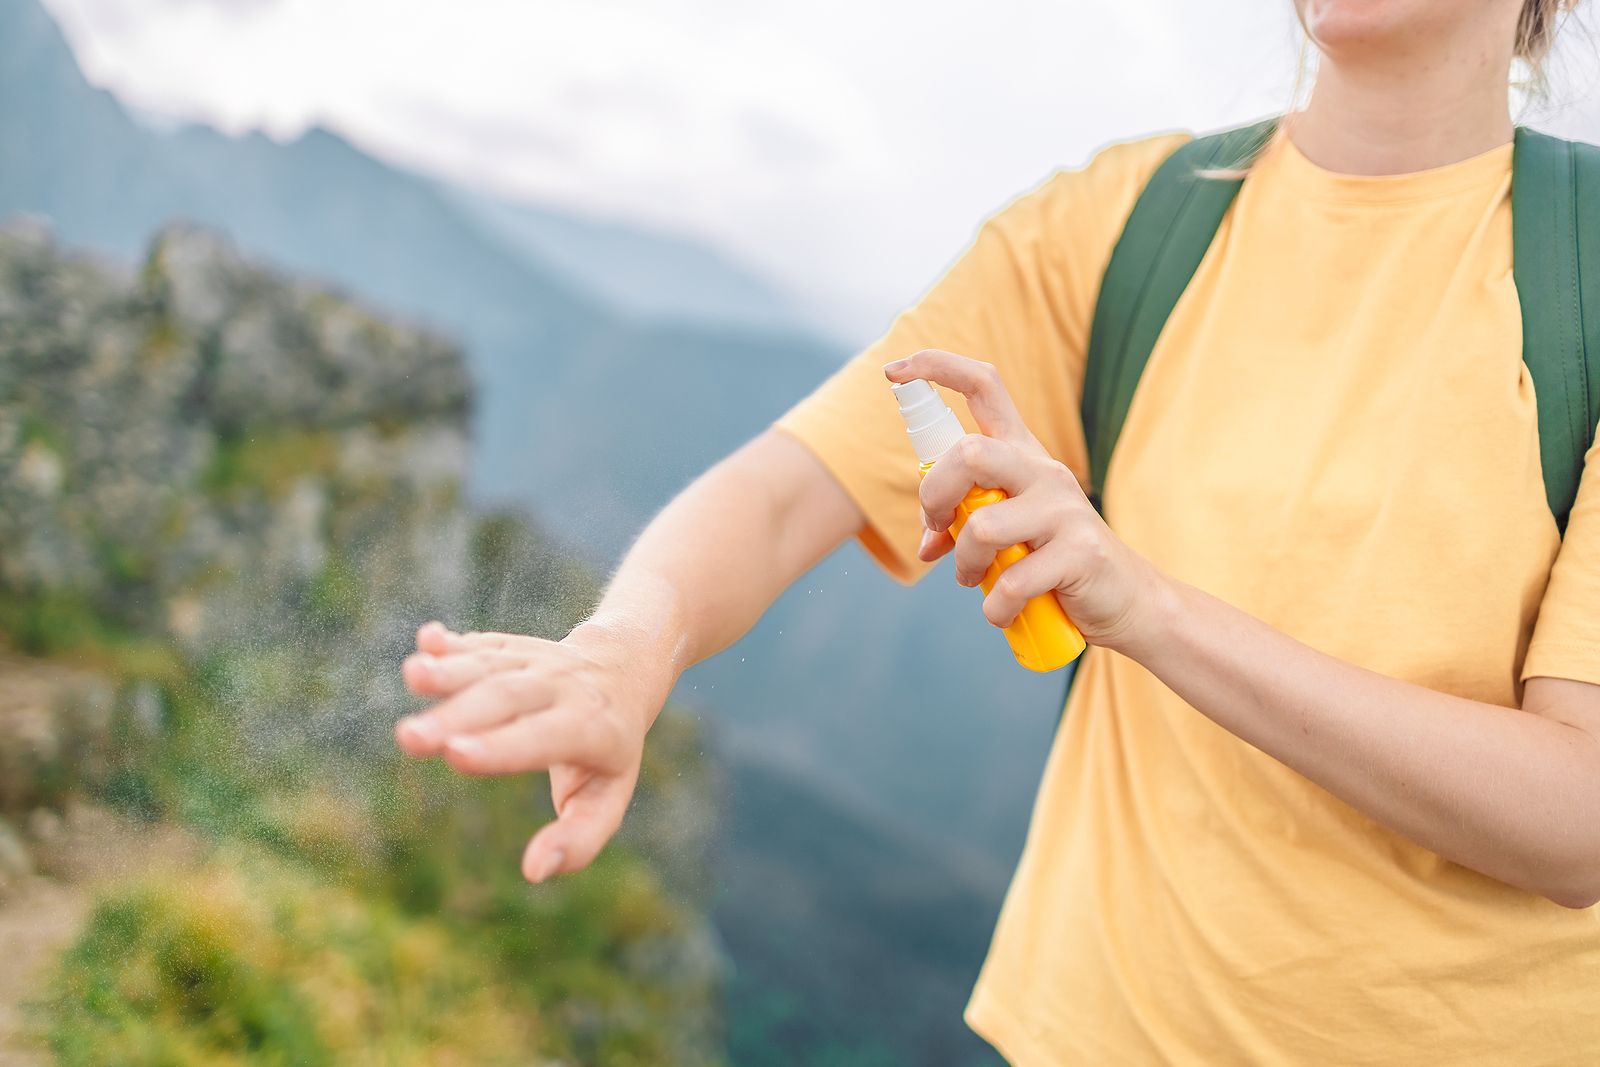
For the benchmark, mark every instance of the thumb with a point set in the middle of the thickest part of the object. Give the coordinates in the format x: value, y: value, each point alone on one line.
x: 588, y: 819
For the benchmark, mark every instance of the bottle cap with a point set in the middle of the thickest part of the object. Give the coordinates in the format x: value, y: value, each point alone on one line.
x: 931, y: 425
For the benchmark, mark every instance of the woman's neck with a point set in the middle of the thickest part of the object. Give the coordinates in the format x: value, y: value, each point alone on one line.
x: 1407, y: 115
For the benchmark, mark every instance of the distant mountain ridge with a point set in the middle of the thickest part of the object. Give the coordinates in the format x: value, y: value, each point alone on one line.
x: 318, y: 205
x: 638, y: 272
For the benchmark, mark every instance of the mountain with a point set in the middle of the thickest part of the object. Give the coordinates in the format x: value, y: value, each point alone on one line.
x: 589, y: 410
x: 637, y: 272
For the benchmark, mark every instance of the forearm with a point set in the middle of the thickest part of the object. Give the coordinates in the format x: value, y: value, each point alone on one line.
x: 712, y: 562
x: 1504, y: 791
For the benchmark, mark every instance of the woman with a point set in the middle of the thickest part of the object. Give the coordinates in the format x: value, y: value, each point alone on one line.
x: 1328, y: 788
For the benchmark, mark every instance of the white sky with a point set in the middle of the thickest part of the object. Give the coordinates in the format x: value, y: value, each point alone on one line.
x: 846, y: 148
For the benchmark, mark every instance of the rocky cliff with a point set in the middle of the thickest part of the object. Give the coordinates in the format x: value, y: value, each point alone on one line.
x: 226, y: 501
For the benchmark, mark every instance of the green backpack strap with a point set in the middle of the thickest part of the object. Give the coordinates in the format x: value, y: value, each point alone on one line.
x: 1555, y: 221
x: 1555, y: 203
x: 1162, y: 244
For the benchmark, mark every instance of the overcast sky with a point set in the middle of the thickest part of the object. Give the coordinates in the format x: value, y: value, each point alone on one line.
x: 846, y: 148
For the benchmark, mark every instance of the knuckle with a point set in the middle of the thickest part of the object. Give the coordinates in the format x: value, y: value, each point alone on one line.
x: 1057, y: 471
x: 591, y: 698
x: 513, y: 685
x: 987, y: 372
x: 971, y: 449
x: 1009, y: 587
x: 983, y: 528
x: 1086, y: 543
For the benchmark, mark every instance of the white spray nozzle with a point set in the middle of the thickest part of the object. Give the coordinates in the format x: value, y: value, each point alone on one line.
x: 930, y: 423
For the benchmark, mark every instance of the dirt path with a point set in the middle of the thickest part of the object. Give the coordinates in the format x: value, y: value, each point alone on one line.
x: 92, y: 850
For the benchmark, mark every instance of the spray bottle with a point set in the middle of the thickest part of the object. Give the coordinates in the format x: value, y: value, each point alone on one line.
x: 1042, y: 637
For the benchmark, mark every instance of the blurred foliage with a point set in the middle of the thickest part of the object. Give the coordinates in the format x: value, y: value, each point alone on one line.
x: 240, y: 494
x: 268, y: 460
x: 251, y: 959
x: 349, y: 898
x: 62, y: 624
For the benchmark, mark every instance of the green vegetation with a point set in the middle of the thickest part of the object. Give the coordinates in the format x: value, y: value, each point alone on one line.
x: 268, y: 460
x: 206, y: 617
x: 358, y: 909
x: 63, y: 624
x: 252, y: 960
x: 333, y: 598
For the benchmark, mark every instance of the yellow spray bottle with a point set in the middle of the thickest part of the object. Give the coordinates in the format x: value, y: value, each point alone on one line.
x: 1042, y: 637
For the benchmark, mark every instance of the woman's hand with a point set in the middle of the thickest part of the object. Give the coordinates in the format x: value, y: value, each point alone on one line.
x: 578, y: 708
x: 1112, y: 594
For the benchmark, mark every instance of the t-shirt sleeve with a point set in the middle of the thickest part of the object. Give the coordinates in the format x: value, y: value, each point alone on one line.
x: 1021, y: 297
x: 1566, y: 637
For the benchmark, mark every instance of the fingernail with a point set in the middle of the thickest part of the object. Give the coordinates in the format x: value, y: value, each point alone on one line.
x: 927, y: 539
x: 896, y: 366
x: 422, y: 729
x: 465, y: 746
x: 550, y: 865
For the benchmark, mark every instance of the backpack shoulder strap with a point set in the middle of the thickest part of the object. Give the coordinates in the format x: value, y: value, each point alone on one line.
x: 1162, y: 243
x: 1555, y: 220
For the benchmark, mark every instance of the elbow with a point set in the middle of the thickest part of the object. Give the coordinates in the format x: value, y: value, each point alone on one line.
x: 1575, y: 896
x: 1560, y: 875
x: 1574, y: 885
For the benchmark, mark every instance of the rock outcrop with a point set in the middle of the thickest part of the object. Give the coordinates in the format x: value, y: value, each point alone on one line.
x: 227, y: 498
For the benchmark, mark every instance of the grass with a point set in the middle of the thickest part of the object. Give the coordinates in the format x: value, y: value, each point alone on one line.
x: 251, y: 960
x: 332, y: 874
x: 355, y: 907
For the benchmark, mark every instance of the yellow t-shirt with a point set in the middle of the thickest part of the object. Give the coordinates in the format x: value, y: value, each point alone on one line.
x: 1337, y: 434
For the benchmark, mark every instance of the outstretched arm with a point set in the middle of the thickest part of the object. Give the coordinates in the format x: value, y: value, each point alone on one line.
x: 699, y: 576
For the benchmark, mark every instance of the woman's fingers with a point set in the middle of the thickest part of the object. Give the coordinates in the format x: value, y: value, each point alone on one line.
x: 434, y: 638
x: 992, y: 528
x: 979, y: 382
x: 935, y: 543
x: 973, y: 461
x: 588, y: 819
x: 437, y: 639
x: 487, y: 703
x: 535, y: 743
x: 1040, y: 571
x: 429, y: 675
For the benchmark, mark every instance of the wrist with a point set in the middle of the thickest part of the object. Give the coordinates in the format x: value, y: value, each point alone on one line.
x: 646, y: 656
x: 1157, y: 621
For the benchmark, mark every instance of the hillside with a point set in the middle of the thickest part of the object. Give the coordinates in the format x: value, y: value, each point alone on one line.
x: 227, y: 499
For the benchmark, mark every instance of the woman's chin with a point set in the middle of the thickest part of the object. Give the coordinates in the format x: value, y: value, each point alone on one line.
x: 1350, y: 27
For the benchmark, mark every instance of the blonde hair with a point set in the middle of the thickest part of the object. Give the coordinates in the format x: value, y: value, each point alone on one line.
x: 1537, y: 27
